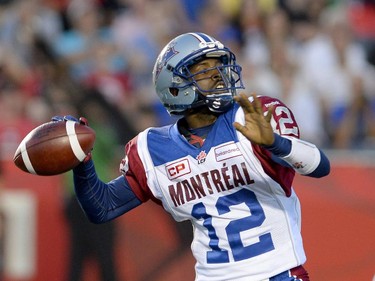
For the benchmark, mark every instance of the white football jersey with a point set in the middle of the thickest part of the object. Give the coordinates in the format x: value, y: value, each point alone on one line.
x: 245, y: 214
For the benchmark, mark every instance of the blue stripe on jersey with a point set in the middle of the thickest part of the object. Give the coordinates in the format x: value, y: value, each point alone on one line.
x: 161, y: 146
x: 166, y: 144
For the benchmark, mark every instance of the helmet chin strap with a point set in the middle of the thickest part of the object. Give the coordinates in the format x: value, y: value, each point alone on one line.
x: 218, y: 103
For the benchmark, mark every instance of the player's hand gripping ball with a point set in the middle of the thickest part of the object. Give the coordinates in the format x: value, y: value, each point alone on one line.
x: 55, y: 147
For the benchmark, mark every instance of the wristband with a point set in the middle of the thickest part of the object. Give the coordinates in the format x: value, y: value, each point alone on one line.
x: 280, y: 147
x: 304, y: 156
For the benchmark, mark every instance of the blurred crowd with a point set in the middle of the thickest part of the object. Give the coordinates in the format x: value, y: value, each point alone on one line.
x: 94, y: 58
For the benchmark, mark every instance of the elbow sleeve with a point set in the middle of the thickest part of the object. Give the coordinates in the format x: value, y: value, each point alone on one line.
x: 304, y: 157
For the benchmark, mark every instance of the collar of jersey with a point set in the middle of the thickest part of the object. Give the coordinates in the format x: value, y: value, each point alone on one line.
x: 184, y: 144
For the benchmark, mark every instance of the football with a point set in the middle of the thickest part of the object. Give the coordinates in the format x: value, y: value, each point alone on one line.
x: 54, y: 148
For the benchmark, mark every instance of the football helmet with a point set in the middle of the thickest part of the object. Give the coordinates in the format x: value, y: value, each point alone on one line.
x: 175, y: 84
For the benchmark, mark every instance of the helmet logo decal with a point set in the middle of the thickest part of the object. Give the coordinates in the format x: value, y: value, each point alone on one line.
x: 169, y: 53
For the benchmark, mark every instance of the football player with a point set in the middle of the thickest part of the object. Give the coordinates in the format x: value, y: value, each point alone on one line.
x: 227, y: 165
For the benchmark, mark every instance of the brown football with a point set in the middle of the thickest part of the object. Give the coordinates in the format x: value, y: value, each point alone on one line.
x: 54, y: 148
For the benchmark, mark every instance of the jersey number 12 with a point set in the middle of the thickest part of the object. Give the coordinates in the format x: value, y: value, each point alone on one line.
x: 255, y: 219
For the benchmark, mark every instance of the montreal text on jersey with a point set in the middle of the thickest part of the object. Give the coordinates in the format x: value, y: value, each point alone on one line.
x: 217, y: 180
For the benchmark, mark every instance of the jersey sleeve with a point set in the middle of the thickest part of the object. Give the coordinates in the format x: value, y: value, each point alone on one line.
x: 102, y: 201
x: 304, y: 158
x: 132, y: 168
x: 283, y: 121
x: 283, y: 124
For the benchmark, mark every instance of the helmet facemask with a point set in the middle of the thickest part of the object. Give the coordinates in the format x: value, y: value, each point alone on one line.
x: 219, y: 99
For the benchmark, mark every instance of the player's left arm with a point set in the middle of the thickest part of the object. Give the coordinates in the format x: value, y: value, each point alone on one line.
x: 270, y: 124
x: 304, y: 157
x: 288, y: 149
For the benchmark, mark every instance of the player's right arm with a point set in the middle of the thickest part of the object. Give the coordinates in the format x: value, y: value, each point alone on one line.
x: 105, y: 201
x: 102, y: 201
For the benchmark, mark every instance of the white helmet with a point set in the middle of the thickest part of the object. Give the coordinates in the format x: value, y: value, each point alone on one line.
x: 176, y: 86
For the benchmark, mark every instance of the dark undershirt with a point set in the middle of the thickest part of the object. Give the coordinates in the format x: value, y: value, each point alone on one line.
x: 196, y: 137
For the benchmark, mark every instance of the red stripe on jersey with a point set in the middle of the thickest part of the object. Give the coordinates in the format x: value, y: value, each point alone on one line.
x: 285, y: 125
x: 136, y: 174
x: 281, y: 174
x: 285, y: 122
